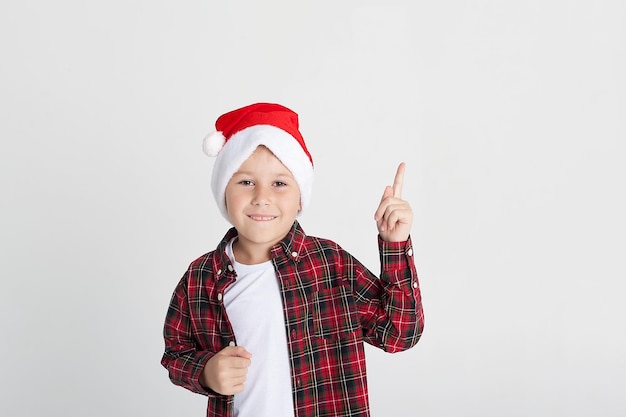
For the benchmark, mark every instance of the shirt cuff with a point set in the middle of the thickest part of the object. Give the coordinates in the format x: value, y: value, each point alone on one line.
x: 396, y: 261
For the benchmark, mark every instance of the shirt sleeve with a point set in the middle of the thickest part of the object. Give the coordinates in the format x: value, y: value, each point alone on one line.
x: 390, y: 308
x: 182, y: 358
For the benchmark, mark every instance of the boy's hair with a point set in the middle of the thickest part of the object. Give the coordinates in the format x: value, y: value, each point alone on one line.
x: 239, y: 132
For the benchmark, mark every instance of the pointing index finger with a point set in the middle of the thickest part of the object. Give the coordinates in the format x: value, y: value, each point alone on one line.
x: 398, y: 181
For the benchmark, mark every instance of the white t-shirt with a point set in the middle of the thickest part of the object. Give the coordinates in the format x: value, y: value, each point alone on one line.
x: 255, y: 310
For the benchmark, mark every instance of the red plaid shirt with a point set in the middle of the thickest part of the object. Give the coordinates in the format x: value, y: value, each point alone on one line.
x: 332, y: 304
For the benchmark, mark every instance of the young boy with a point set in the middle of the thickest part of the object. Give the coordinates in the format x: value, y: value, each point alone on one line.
x: 272, y: 322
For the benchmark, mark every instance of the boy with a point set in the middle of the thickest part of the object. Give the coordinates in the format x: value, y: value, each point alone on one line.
x: 272, y: 322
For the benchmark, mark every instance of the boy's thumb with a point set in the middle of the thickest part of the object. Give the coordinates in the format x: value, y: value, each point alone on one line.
x: 387, y: 193
x: 239, y: 351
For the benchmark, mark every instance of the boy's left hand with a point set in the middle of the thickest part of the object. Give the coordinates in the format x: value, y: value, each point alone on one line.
x: 394, y: 216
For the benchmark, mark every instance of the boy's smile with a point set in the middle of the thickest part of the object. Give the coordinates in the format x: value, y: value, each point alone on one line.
x: 261, y: 218
x: 263, y: 200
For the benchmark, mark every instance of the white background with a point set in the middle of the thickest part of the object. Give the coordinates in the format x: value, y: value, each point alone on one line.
x: 509, y: 114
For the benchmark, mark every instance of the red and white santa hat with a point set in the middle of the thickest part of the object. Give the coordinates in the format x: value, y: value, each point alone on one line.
x: 239, y: 132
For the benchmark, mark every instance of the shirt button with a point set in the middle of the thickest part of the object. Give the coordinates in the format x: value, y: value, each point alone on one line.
x: 219, y: 272
x: 231, y: 343
x: 293, y: 333
x: 219, y: 297
x: 415, y: 285
x: 298, y: 382
x: 230, y: 268
x: 410, y: 252
x: 294, y: 254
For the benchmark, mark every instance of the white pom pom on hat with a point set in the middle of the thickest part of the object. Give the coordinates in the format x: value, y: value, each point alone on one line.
x: 212, y: 143
x: 239, y: 132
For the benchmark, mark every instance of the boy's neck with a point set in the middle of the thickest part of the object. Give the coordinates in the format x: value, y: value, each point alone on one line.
x: 250, y: 254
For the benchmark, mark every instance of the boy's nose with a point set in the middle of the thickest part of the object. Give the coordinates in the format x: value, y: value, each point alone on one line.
x: 261, y: 196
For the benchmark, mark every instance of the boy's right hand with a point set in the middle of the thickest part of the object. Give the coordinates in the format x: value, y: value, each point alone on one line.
x: 226, y: 371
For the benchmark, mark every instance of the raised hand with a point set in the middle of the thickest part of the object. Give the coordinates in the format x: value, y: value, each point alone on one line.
x: 227, y: 370
x: 394, y: 216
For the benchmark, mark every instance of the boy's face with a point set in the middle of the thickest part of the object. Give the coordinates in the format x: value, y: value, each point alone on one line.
x: 263, y: 200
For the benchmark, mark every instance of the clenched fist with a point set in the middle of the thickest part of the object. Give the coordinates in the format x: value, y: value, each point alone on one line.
x: 227, y: 370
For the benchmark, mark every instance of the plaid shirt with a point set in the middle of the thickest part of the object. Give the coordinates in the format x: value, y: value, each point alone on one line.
x: 332, y: 304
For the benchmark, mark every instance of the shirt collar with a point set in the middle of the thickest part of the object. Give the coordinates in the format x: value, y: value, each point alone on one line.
x: 291, y: 247
x: 292, y: 244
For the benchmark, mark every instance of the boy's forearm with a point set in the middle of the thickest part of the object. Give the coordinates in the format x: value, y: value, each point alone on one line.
x: 182, y: 358
x: 400, y: 314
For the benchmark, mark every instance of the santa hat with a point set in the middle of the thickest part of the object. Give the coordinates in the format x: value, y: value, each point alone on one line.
x: 239, y: 132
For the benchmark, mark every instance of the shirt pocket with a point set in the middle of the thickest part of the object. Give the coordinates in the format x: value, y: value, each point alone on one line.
x: 334, y: 314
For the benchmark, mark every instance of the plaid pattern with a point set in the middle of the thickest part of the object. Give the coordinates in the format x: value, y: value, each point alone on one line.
x: 332, y: 305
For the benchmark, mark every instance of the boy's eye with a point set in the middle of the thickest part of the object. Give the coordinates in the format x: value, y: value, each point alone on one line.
x: 246, y: 182
x: 279, y: 184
